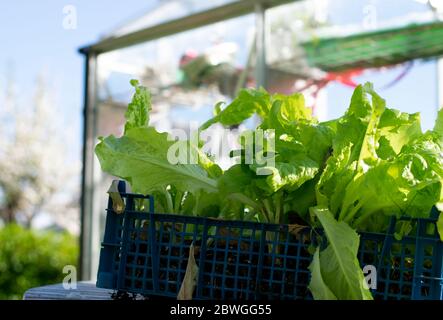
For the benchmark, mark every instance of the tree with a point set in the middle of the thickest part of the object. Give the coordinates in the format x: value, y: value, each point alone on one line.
x: 36, y: 174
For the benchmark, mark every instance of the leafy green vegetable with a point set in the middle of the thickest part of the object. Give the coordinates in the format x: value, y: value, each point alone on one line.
x: 140, y: 157
x: 396, y: 129
x: 409, y: 165
x: 346, y: 175
x: 337, y: 269
x: 248, y: 102
x: 413, y: 178
x: 153, y: 163
x: 318, y: 287
x: 382, y: 165
x: 299, y: 151
x: 289, y: 176
x: 438, y: 133
x: 137, y: 114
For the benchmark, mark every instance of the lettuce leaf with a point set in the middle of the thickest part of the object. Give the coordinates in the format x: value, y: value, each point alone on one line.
x: 337, y: 270
x: 317, y: 285
x: 301, y: 147
x: 346, y: 175
x: 140, y: 157
x: 382, y: 165
x: 137, y: 114
x: 247, y: 103
x: 396, y: 129
x: 411, y: 184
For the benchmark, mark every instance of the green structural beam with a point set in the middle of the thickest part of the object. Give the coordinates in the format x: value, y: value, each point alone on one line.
x: 376, y: 49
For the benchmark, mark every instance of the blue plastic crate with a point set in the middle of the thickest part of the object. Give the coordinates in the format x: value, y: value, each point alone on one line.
x: 147, y: 253
x: 410, y: 268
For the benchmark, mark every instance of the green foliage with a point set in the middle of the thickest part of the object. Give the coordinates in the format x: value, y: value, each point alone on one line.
x: 346, y: 175
x: 338, y: 267
x: 382, y: 165
x: 247, y: 103
x: 141, y: 157
x: 30, y: 258
x: 137, y: 114
x: 386, y: 151
x: 317, y: 285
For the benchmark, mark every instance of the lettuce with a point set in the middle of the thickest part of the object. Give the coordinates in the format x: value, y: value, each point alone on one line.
x: 381, y: 166
x: 140, y: 157
x: 346, y: 175
x: 338, y: 269
x: 402, y: 175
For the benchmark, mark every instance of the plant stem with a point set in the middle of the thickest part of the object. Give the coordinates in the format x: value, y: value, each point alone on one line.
x: 348, y: 218
x: 278, y: 208
x: 362, y: 218
x: 169, y: 204
x: 268, y: 210
x: 178, y: 201
x: 197, y: 202
x: 265, y: 215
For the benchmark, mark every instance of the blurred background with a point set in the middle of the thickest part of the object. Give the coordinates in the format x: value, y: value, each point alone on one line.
x: 64, y: 81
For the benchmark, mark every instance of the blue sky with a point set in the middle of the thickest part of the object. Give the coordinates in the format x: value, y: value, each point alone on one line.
x: 33, y: 40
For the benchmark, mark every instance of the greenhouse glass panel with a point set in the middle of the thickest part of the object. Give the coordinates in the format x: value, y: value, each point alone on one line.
x: 186, y: 73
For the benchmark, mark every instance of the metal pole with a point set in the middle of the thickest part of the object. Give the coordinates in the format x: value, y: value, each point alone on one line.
x: 86, y: 236
x: 260, y: 46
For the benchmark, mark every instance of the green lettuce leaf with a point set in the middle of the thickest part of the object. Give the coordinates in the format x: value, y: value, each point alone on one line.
x: 354, y: 148
x: 339, y: 171
x: 408, y: 185
x: 137, y: 114
x: 302, y: 146
x: 381, y: 165
x: 317, y: 285
x: 286, y: 113
x: 288, y: 176
x: 141, y: 157
x: 339, y: 269
x: 346, y: 175
x: 247, y: 103
x: 396, y: 129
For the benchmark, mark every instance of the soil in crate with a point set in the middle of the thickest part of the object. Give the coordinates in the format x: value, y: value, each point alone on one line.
x: 230, y: 269
x: 242, y: 269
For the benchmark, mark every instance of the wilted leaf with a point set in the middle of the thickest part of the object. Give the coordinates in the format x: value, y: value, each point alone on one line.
x: 190, y: 280
x: 117, y: 202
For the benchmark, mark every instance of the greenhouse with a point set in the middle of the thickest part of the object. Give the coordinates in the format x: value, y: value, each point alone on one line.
x: 262, y: 150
